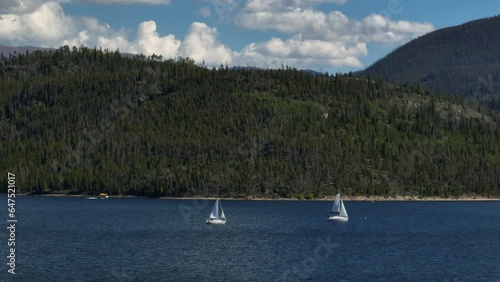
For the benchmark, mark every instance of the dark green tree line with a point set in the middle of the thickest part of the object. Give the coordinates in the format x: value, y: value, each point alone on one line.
x: 88, y: 120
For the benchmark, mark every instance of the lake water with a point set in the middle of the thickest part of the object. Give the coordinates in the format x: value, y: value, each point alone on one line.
x: 137, y: 239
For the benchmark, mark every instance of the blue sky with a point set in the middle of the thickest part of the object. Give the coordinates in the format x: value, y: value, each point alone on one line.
x: 328, y: 35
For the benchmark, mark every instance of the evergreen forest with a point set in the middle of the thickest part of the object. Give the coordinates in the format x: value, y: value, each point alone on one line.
x: 82, y: 120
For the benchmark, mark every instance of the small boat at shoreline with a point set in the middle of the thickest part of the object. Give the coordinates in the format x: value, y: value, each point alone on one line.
x: 101, y: 196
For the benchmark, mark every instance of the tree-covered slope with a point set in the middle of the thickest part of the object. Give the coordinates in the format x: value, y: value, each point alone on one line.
x: 82, y: 120
x: 462, y: 60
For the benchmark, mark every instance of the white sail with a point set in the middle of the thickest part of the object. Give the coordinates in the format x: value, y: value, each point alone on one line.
x: 338, y: 214
x: 222, y: 215
x: 336, y: 204
x: 215, y: 217
x: 343, y: 212
x: 215, y: 210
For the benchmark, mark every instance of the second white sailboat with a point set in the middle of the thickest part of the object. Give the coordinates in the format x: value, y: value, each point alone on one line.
x: 338, y: 213
x: 217, y: 215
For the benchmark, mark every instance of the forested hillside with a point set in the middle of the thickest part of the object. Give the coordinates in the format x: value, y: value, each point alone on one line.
x: 462, y: 60
x: 84, y: 120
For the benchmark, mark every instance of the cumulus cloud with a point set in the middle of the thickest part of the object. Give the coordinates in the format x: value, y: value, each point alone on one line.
x: 146, y: 40
x: 315, y: 36
x: 300, y: 52
x: 42, y: 26
x: 307, y: 37
x: 149, y: 41
x: 49, y: 26
x: 201, y: 44
x: 331, y: 26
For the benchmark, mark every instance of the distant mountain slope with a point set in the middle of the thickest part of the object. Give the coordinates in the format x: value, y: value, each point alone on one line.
x: 463, y: 60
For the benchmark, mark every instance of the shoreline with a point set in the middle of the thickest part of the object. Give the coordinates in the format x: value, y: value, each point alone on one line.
x: 351, y: 199
x: 326, y: 198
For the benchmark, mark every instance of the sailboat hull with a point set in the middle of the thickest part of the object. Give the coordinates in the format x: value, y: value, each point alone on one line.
x: 337, y: 218
x: 215, y: 221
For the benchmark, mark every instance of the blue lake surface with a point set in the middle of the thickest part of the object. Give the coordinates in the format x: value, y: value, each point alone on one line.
x: 139, y: 239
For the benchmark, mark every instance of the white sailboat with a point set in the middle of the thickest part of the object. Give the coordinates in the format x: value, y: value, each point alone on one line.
x: 217, y: 215
x: 338, y: 213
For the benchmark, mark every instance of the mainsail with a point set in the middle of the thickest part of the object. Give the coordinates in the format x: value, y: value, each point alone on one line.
x: 338, y: 213
x: 215, y: 210
x: 217, y: 216
x: 336, y: 204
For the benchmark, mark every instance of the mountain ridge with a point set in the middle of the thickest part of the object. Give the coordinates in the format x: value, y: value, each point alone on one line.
x: 461, y: 60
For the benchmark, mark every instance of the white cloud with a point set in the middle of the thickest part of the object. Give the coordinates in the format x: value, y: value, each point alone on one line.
x: 146, y: 41
x: 378, y: 28
x: 317, y: 37
x: 308, y: 38
x: 50, y: 27
x: 150, y: 42
x: 116, y: 41
x: 42, y: 26
x: 301, y: 53
x: 332, y: 26
x: 201, y: 44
